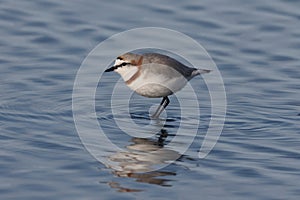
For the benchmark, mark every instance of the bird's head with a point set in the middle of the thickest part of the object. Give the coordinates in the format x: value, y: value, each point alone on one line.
x: 126, y: 65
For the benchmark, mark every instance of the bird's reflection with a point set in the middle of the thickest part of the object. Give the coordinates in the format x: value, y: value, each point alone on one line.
x: 144, y: 155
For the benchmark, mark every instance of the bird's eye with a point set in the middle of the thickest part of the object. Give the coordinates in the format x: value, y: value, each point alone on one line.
x: 124, y: 63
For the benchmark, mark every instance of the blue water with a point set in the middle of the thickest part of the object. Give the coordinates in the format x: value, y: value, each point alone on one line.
x: 256, y: 47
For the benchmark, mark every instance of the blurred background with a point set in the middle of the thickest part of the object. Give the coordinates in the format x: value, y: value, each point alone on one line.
x: 256, y: 47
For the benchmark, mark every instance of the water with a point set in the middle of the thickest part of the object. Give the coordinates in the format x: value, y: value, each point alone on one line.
x: 256, y: 48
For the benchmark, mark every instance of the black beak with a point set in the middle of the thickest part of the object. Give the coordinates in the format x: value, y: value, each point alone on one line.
x: 116, y: 67
x: 110, y: 69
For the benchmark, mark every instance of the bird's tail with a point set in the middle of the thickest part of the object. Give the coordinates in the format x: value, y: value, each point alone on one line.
x: 200, y: 71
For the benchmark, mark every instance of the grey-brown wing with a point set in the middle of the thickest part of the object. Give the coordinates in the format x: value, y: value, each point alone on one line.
x: 166, y: 60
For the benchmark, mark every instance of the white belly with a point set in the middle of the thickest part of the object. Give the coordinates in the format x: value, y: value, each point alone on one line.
x: 157, y: 86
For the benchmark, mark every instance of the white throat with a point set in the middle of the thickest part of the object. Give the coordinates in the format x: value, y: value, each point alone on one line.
x: 127, y: 72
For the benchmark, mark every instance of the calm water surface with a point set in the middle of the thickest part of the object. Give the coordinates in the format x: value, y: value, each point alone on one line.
x: 256, y: 47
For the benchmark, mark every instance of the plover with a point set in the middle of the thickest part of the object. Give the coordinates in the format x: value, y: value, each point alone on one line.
x: 154, y: 75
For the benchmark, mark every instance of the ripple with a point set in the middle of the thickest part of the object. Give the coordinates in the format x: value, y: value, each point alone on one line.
x: 282, y: 58
x: 45, y: 40
x: 256, y: 48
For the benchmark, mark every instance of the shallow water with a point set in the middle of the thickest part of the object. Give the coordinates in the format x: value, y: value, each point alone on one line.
x: 256, y: 48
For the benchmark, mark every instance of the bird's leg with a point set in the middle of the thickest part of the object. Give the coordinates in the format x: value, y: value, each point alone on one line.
x: 167, y: 100
x: 164, y: 103
x: 158, y: 110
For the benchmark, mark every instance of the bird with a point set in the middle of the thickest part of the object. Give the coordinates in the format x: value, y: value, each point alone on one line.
x: 154, y: 75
